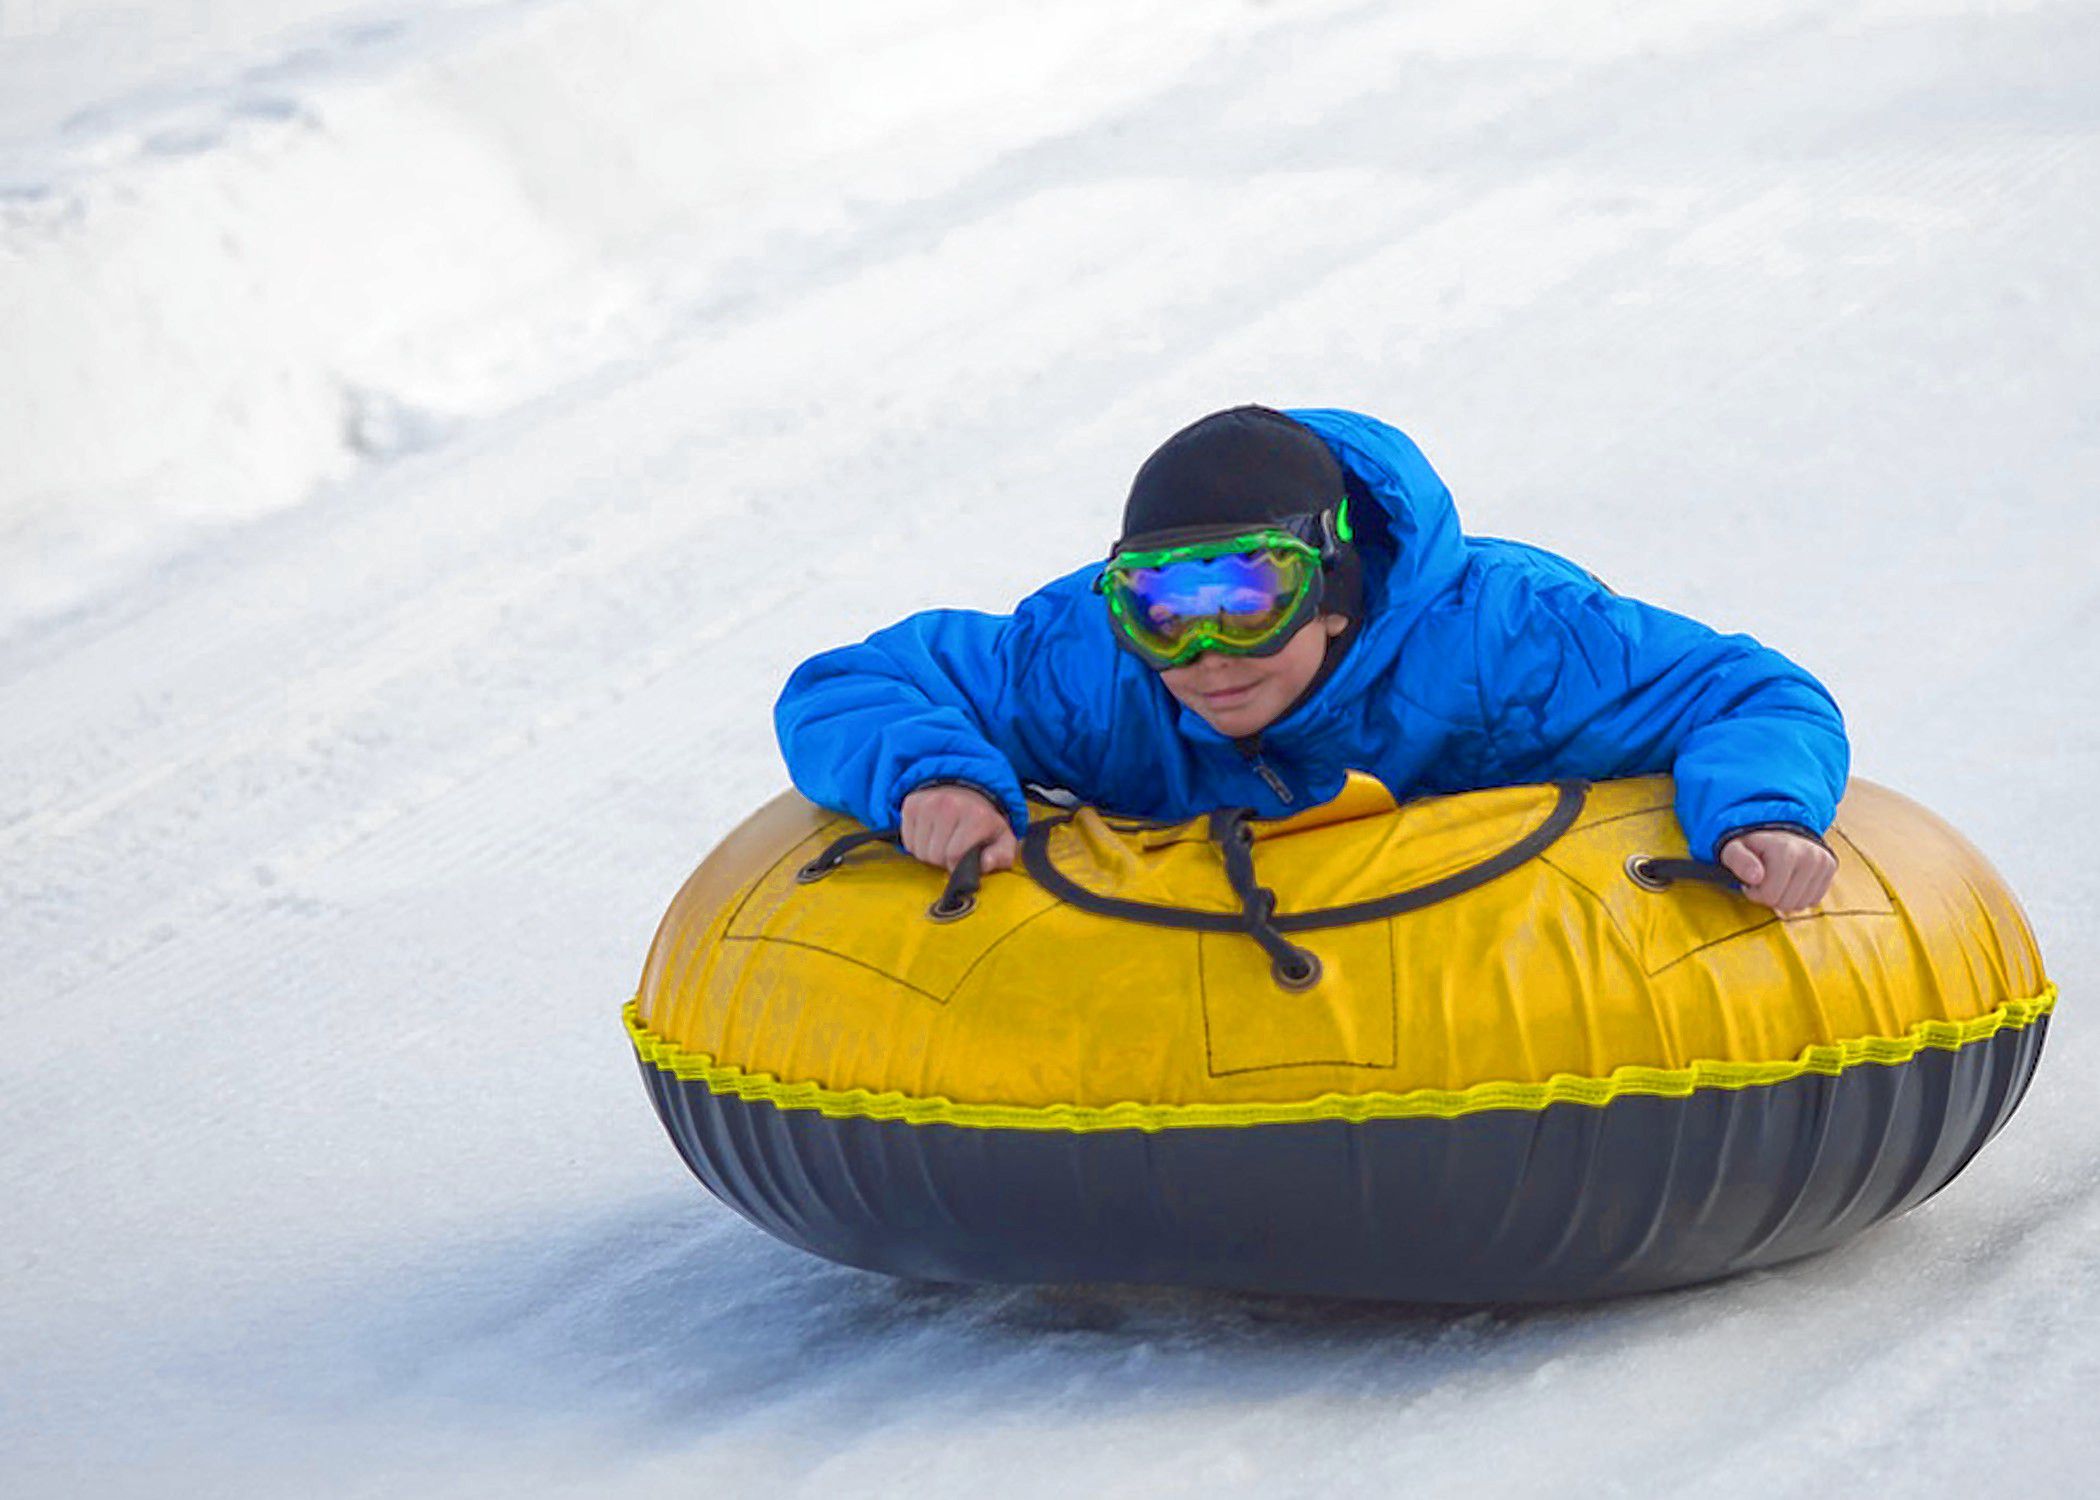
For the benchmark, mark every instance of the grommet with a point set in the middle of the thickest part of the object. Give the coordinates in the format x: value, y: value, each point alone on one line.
x: 1640, y: 870
x: 945, y: 910
x: 1301, y: 973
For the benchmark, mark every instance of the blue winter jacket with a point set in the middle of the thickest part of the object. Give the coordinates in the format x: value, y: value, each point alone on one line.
x: 1479, y: 663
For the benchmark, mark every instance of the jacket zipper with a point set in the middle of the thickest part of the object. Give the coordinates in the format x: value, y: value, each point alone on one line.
x: 1250, y: 747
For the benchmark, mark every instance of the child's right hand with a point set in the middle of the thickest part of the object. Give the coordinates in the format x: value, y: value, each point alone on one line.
x: 940, y: 824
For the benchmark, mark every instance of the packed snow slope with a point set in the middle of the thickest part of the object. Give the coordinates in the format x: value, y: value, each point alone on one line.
x: 429, y: 435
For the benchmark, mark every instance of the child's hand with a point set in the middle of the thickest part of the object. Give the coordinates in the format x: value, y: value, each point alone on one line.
x: 941, y: 824
x: 1786, y: 871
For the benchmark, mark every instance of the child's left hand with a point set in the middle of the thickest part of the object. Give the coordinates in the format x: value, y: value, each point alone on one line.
x: 1786, y: 871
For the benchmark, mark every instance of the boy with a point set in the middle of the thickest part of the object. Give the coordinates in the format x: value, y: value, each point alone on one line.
x: 1292, y: 598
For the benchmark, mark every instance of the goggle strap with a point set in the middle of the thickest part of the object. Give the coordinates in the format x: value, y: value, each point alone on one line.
x: 1330, y: 528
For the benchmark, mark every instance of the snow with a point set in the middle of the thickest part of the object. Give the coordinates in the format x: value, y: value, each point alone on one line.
x: 432, y: 433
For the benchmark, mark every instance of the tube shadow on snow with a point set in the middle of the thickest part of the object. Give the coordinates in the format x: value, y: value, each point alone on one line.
x: 683, y: 1313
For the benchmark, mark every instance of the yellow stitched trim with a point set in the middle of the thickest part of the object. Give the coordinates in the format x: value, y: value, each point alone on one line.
x: 1439, y: 1104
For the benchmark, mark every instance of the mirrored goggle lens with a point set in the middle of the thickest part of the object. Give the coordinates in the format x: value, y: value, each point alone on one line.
x: 1240, y: 600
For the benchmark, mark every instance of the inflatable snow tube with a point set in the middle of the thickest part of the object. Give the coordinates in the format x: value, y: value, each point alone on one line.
x: 1494, y: 1047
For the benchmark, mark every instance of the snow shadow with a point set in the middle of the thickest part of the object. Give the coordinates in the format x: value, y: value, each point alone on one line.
x: 676, y: 1320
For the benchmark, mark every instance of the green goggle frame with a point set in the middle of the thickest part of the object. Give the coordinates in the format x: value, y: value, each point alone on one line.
x: 1296, y: 551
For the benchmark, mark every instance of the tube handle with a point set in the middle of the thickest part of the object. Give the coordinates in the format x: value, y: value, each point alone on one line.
x: 1652, y: 872
x: 958, y: 896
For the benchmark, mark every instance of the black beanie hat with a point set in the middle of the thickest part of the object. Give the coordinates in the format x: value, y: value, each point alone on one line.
x: 1243, y: 466
x: 1249, y: 464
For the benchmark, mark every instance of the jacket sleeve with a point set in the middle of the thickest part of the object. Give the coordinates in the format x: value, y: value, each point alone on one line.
x: 936, y: 697
x: 1578, y: 681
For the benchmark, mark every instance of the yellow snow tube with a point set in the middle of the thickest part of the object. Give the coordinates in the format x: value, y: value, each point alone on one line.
x: 1518, y: 1064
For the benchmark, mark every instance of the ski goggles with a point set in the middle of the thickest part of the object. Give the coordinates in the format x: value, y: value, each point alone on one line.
x: 1245, y: 593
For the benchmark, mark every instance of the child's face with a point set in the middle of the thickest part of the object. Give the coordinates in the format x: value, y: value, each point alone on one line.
x: 1238, y: 695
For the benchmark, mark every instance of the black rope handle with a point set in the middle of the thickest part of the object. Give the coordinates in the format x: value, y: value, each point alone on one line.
x: 958, y: 897
x: 1294, y: 968
x: 1036, y: 860
x: 1652, y: 872
x: 836, y: 851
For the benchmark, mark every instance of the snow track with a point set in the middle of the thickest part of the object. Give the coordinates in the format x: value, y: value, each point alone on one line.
x: 354, y: 742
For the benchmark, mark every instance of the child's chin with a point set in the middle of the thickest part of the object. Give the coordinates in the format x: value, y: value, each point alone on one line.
x: 1238, y: 721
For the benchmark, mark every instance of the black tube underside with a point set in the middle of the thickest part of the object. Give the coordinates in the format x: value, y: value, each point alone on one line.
x: 1569, y: 1201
